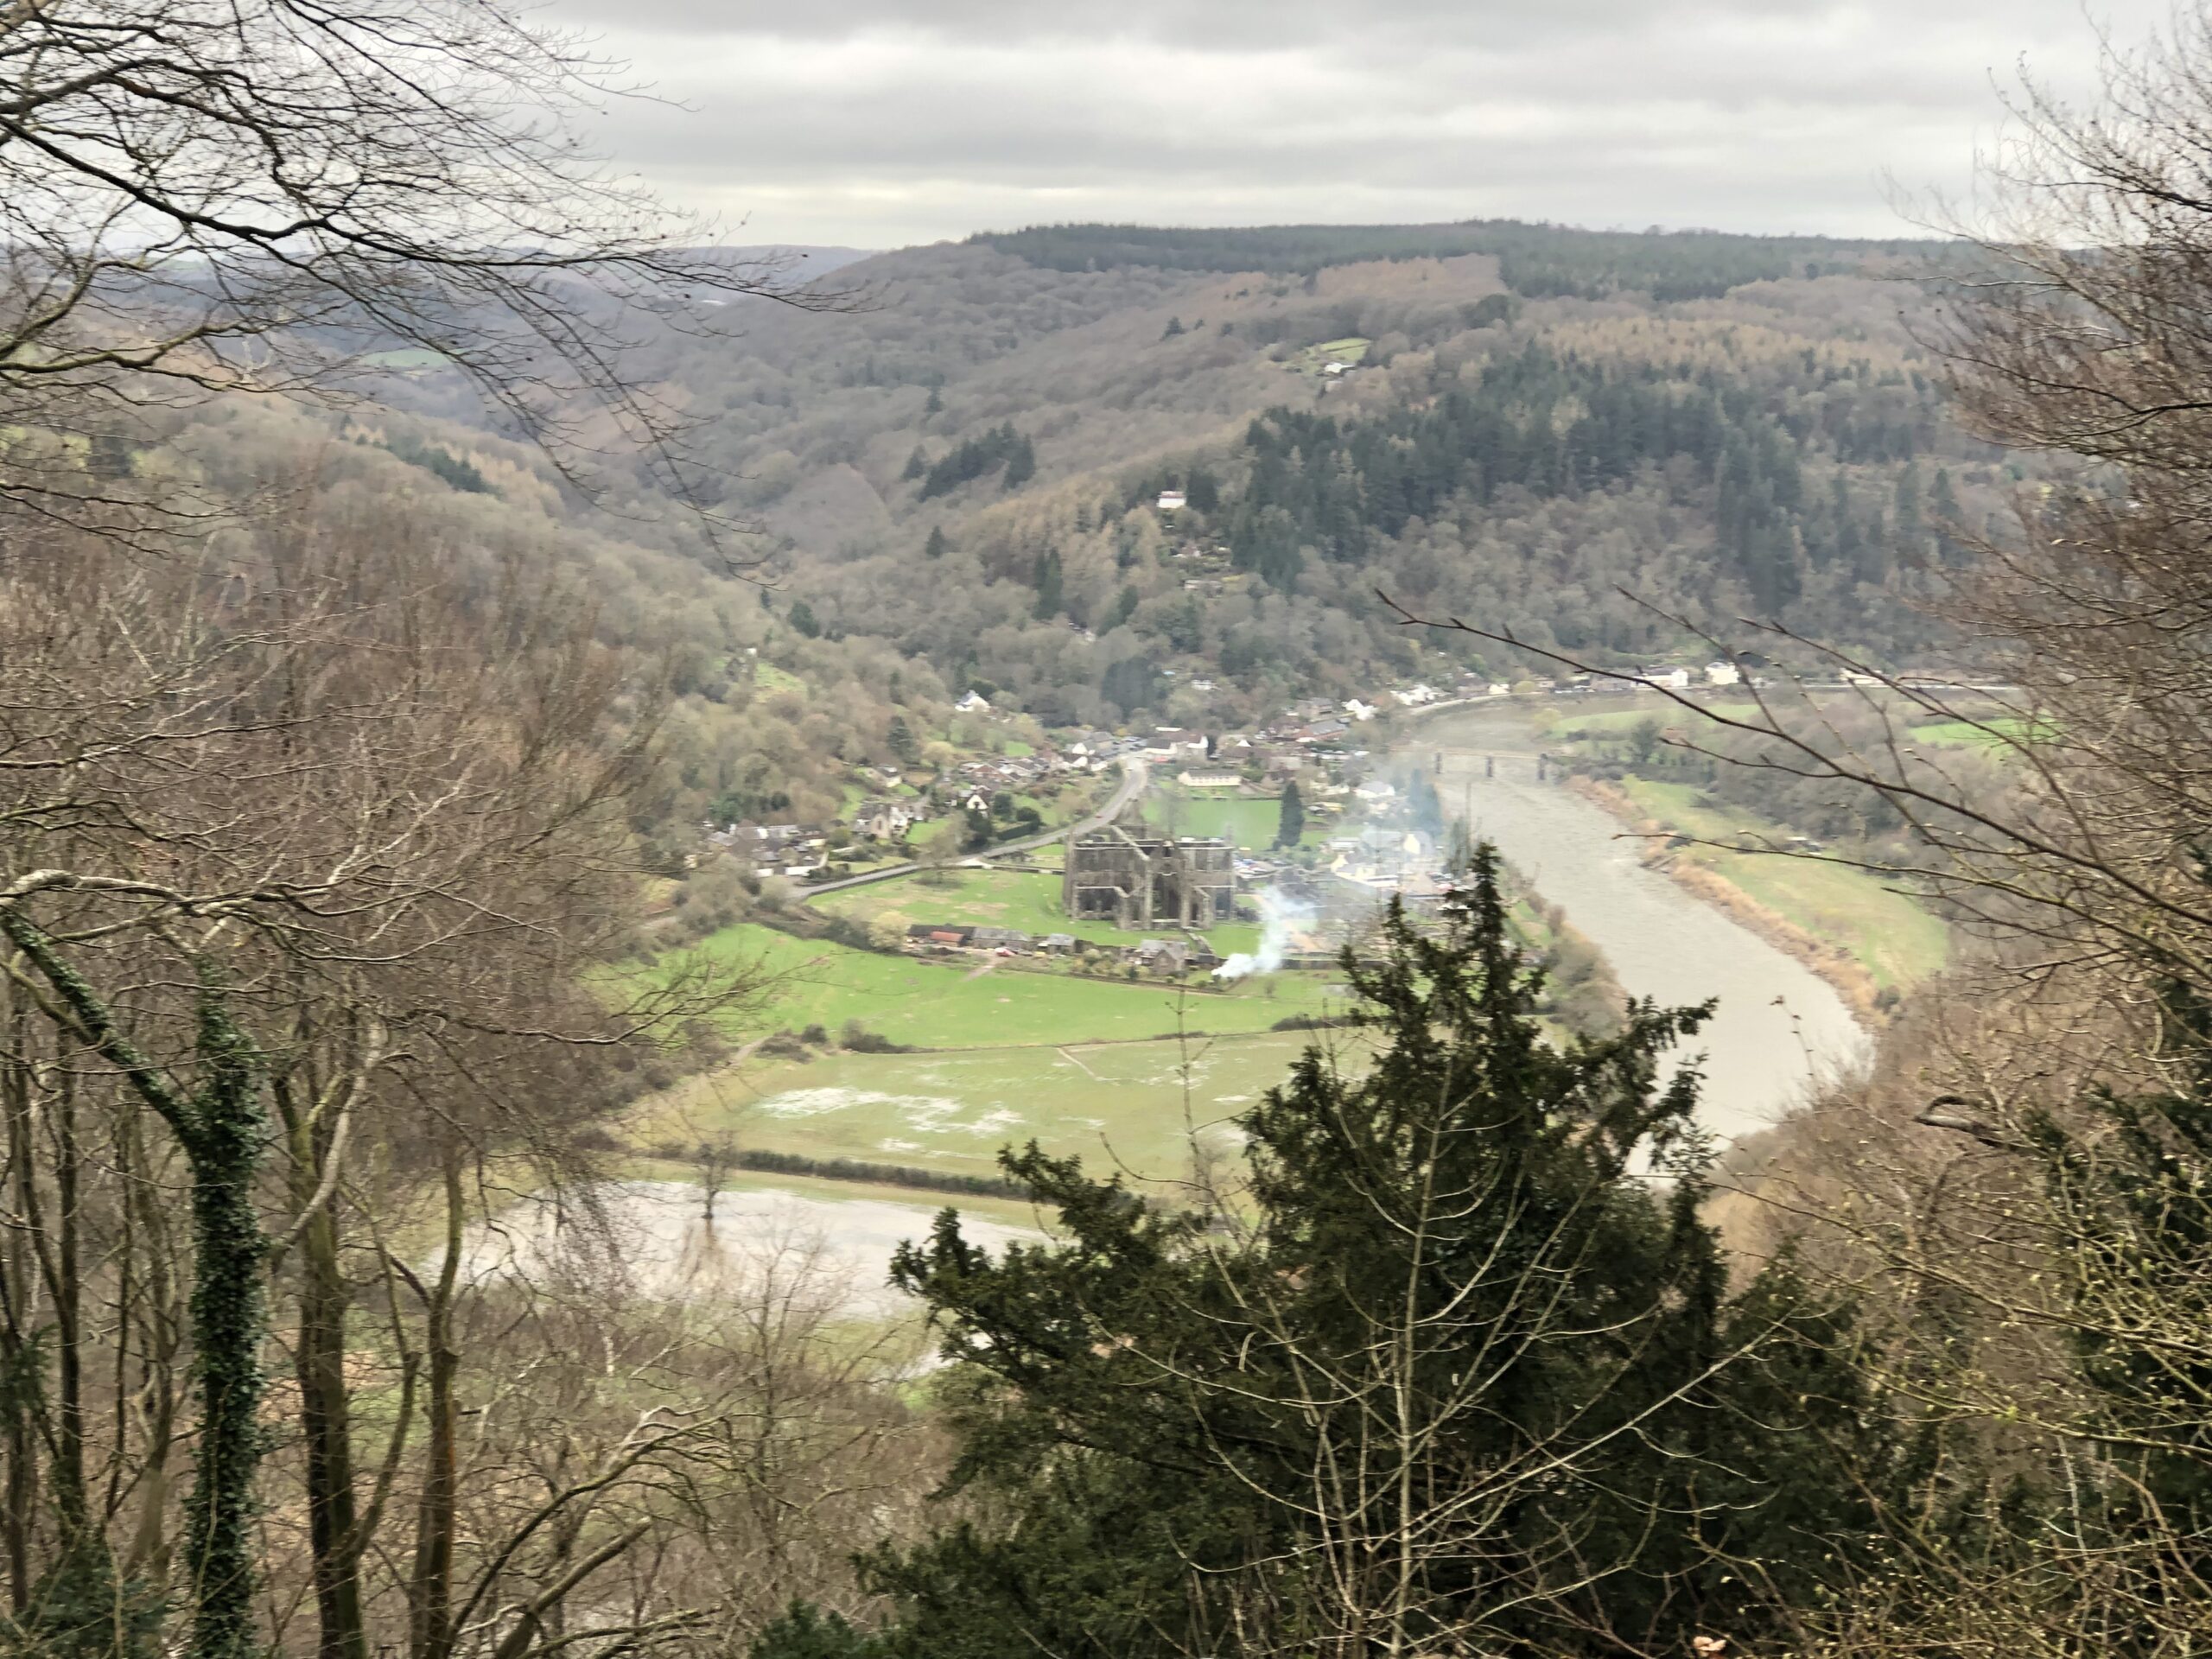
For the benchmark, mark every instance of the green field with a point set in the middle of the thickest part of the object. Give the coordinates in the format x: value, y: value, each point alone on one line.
x: 1249, y: 824
x: 1891, y: 935
x: 966, y: 1003
x: 1351, y: 349
x: 1027, y: 899
x: 1135, y: 1106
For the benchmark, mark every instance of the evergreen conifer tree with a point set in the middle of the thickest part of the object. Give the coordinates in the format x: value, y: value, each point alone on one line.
x: 1049, y: 582
x: 1290, y: 825
x: 1451, y: 1375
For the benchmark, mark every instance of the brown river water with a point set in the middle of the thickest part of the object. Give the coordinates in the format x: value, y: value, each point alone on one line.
x: 1779, y: 1026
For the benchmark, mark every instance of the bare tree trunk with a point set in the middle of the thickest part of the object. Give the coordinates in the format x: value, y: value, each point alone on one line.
x: 431, y: 1625
x: 326, y: 1428
x: 18, y: 1353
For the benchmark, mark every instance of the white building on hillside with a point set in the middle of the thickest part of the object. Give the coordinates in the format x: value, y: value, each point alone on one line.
x: 1719, y: 673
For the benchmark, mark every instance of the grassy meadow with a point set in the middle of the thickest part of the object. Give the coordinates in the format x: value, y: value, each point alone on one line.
x: 1248, y: 824
x: 967, y: 1003
x: 1027, y: 899
x: 1890, y: 933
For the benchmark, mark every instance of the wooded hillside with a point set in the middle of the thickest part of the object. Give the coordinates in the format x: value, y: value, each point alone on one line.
x: 1552, y: 430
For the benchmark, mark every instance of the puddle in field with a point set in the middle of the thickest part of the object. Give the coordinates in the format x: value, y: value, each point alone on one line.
x: 651, y: 1238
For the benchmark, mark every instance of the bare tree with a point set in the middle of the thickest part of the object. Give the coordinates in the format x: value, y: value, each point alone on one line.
x: 197, y: 195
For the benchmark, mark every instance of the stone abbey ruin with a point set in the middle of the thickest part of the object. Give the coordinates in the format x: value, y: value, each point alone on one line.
x: 1141, y: 880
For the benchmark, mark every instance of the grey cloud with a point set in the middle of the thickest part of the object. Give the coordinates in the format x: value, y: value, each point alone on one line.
x: 861, y: 122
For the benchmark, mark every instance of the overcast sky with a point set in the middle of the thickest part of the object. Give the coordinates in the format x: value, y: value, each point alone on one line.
x: 877, y: 123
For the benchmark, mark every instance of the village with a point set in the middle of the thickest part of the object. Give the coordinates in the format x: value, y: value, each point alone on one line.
x: 1357, y: 836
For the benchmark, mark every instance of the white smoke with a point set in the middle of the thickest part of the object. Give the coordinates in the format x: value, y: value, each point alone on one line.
x: 1281, y: 916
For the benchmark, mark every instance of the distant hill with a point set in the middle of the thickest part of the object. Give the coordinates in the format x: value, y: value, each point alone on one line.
x: 1511, y: 422
x: 1535, y: 261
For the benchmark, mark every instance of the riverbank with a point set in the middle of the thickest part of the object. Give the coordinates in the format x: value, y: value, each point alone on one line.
x: 1832, y: 962
x: 1778, y: 1029
x: 1860, y: 933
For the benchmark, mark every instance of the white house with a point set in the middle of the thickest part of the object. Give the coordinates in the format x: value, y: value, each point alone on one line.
x: 1675, y: 679
x: 1415, y: 696
x: 1208, y: 779
x: 1172, y: 500
x: 1359, y: 711
x: 886, y: 820
x: 1500, y: 688
x: 1719, y: 673
x: 973, y: 703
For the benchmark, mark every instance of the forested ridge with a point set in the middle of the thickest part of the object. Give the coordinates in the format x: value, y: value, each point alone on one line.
x: 1619, y: 429
x: 1562, y: 428
x: 1538, y: 261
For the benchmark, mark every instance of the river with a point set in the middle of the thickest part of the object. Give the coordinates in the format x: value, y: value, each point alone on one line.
x: 1779, y: 1024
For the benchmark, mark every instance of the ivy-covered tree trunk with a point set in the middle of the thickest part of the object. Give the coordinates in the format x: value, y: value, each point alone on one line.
x: 431, y: 1621
x: 229, y: 1317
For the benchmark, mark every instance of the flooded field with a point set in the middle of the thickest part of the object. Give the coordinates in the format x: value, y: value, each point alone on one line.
x: 652, y: 1239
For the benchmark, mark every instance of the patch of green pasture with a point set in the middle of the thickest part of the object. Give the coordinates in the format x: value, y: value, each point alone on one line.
x: 1245, y: 822
x: 770, y: 678
x: 1028, y: 900
x: 2000, y: 731
x: 970, y: 1003
x: 1891, y: 934
x: 1352, y: 348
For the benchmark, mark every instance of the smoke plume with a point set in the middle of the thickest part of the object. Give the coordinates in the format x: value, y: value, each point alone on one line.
x: 1281, y: 916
